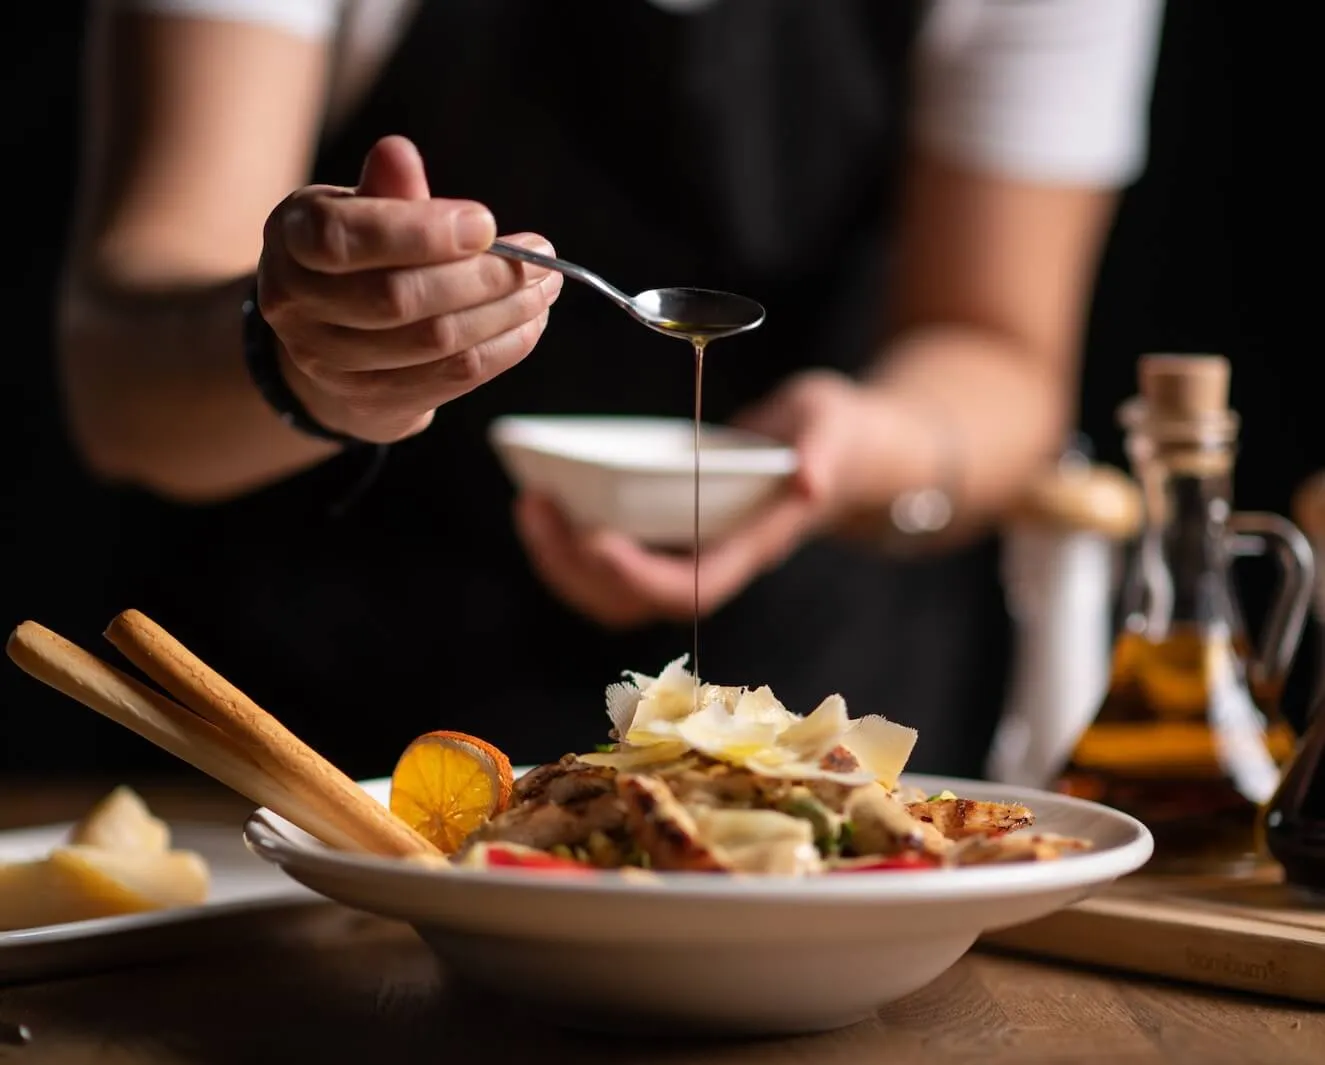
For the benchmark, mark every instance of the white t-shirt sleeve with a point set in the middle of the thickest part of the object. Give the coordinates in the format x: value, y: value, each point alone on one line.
x: 306, y: 18
x: 1044, y: 90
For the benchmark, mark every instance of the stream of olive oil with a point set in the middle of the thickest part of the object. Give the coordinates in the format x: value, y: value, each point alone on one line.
x: 699, y: 340
x: 699, y: 393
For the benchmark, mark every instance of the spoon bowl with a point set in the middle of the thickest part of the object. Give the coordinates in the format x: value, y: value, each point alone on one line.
x: 695, y: 314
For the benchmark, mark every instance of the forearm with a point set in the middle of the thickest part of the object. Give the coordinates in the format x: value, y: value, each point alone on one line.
x: 193, y: 130
x: 972, y: 412
x: 976, y: 386
x: 157, y: 395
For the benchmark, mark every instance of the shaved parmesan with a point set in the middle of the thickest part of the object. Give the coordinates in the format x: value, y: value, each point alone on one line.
x: 661, y: 719
x: 761, y: 706
x: 622, y: 699
x: 881, y: 746
x: 712, y: 730
x: 814, y: 736
x: 759, y: 841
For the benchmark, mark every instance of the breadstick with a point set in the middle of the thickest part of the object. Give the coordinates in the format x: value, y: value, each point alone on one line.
x: 292, y: 763
x: 83, y: 677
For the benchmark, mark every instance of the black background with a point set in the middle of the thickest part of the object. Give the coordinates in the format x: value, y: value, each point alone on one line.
x: 1214, y: 250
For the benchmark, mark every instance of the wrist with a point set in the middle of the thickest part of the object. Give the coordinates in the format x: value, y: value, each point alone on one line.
x: 270, y: 370
x: 906, y: 475
x: 317, y: 404
x: 883, y: 461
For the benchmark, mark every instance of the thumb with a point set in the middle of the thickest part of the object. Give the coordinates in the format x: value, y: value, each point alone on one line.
x: 788, y: 415
x: 393, y: 169
x: 776, y: 416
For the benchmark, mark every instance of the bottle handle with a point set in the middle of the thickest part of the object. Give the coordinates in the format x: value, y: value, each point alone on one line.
x: 1254, y: 533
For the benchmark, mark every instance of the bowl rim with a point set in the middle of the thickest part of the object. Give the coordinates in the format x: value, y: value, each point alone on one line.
x: 759, y: 456
x: 275, y: 840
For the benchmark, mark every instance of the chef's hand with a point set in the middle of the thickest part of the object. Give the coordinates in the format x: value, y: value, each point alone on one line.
x: 384, y: 303
x: 620, y: 584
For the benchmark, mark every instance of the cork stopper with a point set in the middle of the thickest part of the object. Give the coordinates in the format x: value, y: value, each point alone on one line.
x: 1184, y: 386
x: 1082, y: 498
x: 1309, y: 507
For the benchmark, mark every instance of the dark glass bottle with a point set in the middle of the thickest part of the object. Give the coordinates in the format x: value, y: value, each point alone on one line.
x: 1295, y: 817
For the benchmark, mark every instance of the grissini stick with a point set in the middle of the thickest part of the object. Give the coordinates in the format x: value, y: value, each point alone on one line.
x: 295, y: 765
x: 67, y: 668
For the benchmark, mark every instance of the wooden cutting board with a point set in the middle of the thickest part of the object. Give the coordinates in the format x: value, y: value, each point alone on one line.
x: 1257, y: 935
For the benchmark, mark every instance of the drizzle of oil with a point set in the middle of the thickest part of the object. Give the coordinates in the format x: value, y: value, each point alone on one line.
x: 699, y: 343
x: 699, y: 338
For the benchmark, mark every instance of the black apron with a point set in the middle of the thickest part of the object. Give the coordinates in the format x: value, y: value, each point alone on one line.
x: 749, y: 146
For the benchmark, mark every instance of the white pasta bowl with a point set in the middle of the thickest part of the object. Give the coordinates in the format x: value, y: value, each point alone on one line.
x: 709, y: 954
x: 636, y: 474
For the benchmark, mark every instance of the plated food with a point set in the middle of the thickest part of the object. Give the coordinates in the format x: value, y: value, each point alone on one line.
x: 697, y: 778
x: 712, y: 779
x: 676, y: 912
x: 117, y: 860
x: 646, y: 952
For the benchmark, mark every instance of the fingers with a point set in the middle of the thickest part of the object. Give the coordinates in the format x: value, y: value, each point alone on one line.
x: 383, y: 302
x: 394, y: 169
x: 391, y: 397
x: 337, y: 348
x: 816, y: 412
x: 667, y: 582
x: 389, y: 220
x: 324, y: 230
x: 557, y: 554
x: 375, y: 366
x: 762, y: 544
x: 389, y: 299
x: 618, y: 582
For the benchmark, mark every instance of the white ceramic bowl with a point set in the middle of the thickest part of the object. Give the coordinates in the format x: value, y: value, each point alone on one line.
x: 636, y: 475
x: 698, y: 953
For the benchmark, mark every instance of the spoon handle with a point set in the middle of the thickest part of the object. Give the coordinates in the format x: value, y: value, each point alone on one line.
x: 579, y: 273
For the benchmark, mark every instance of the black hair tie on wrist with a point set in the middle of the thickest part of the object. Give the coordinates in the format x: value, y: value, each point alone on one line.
x: 260, y: 359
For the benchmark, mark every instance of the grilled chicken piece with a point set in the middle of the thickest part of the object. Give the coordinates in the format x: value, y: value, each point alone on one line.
x: 547, y: 824
x: 711, y: 783
x: 989, y: 850
x: 566, y: 781
x: 661, y: 827
x: 881, y: 825
x: 839, y: 760
x: 962, y: 818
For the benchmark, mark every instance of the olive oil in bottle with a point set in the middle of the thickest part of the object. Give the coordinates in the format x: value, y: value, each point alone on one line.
x: 1188, y: 737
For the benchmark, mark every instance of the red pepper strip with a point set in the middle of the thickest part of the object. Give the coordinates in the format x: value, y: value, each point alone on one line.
x: 498, y: 858
x: 908, y: 860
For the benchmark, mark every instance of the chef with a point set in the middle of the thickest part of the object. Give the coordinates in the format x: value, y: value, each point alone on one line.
x: 282, y: 338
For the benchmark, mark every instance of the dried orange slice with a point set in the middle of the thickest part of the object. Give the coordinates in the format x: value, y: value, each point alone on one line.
x: 447, y: 784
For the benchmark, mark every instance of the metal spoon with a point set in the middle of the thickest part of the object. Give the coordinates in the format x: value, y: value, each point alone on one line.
x: 697, y: 314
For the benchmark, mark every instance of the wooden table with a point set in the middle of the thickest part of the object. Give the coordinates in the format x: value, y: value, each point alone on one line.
x: 338, y: 987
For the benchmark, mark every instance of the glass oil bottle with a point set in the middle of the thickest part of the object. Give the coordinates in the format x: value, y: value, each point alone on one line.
x: 1189, y: 738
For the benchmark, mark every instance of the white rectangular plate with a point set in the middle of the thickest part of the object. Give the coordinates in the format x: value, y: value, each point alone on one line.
x: 242, y: 884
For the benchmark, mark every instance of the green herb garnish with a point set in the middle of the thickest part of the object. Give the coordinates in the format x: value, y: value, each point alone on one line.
x: 845, y: 838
